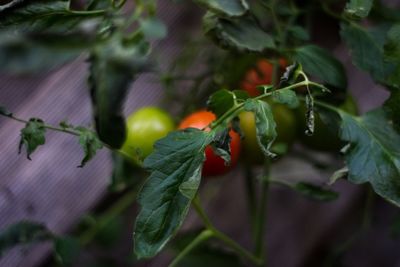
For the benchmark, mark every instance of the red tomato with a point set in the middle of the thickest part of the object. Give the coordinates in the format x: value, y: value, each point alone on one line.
x: 260, y: 75
x: 213, y: 165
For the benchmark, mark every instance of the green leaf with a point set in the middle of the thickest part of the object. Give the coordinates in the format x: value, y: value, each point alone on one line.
x: 113, y: 66
x: 299, y: 33
x: 287, y: 97
x: 21, y: 233
x: 315, y: 192
x: 221, y: 101
x: 221, y: 145
x: 4, y: 111
x: 367, y: 53
x: 265, y: 124
x: 320, y: 63
x: 32, y: 136
x: 374, y: 153
x: 392, y: 45
x: 358, y: 8
x: 242, y: 34
x: 21, y: 55
x: 66, y: 250
x: 165, y: 198
x: 153, y: 28
x: 90, y: 144
x: 230, y: 8
x: 392, y: 109
x: 41, y: 15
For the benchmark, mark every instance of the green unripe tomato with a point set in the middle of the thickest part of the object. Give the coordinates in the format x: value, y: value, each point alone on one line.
x: 324, y: 139
x: 285, y: 127
x: 144, y: 128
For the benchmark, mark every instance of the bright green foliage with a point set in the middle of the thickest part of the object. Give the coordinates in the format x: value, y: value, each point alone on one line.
x: 32, y: 136
x: 374, y: 153
x: 166, y: 196
x: 265, y: 124
x: 320, y: 63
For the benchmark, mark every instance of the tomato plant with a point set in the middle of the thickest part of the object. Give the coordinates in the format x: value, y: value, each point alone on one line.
x: 214, y: 165
x: 144, y: 127
x: 281, y: 57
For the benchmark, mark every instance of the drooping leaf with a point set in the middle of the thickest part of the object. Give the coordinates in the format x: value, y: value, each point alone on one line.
x: 310, y: 116
x: 221, y: 101
x: 287, y: 97
x: 315, y: 192
x: 113, y: 66
x: 265, y: 124
x: 21, y: 233
x: 230, y: 8
x: 358, y: 8
x: 221, y: 145
x: 66, y: 250
x: 32, y: 136
x: 4, y: 111
x: 90, y: 144
x: 392, y: 44
x: 368, y: 54
x: 242, y: 34
x: 165, y: 198
x: 320, y: 63
x: 374, y: 153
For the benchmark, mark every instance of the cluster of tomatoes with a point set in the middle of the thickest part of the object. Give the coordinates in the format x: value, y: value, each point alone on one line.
x: 150, y: 124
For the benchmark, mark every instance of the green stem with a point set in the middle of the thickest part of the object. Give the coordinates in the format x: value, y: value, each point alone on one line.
x: 117, y: 208
x: 250, y: 193
x: 224, y: 238
x: 68, y: 131
x: 203, y: 236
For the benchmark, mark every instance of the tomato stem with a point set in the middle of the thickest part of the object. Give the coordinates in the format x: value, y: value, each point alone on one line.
x: 203, y: 236
x: 224, y: 238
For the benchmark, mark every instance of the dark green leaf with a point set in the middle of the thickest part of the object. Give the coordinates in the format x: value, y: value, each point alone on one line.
x: 90, y: 144
x: 221, y: 145
x: 66, y: 250
x: 243, y: 34
x: 392, y: 109
x: 21, y: 233
x: 287, y: 97
x: 374, y: 153
x: 265, y: 124
x: 112, y: 68
x: 221, y: 101
x: 358, y: 8
x: 315, y: 192
x: 320, y: 63
x: 231, y: 8
x: 32, y: 136
x: 4, y: 111
x: 367, y: 54
x: 165, y: 198
x: 20, y: 55
x: 392, y: 45
x: 110, y: 233
x: 241, y: 94
x: 41, y: 15
x: 299, y: 33
x: 153, y: 28
x: 291, y: 74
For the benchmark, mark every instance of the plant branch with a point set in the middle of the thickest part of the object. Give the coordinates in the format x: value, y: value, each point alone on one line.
x: 203, y: 236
